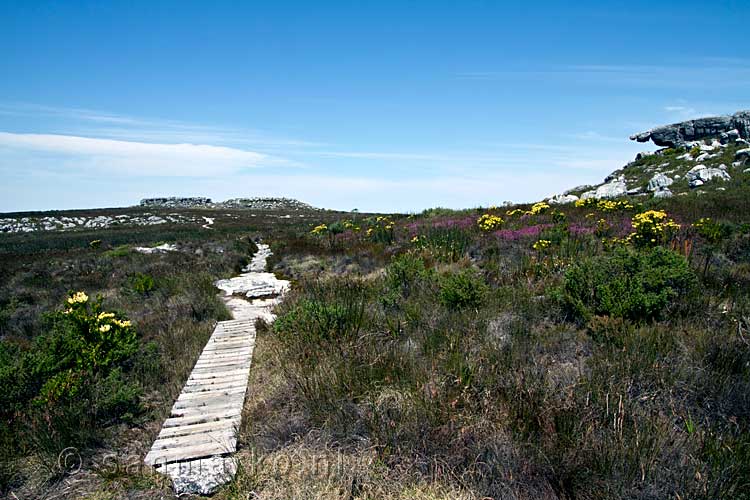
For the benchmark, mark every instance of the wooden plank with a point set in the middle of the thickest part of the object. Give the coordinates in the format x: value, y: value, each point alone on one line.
x: 202, y: 419
x: 228, y: 424
x: 189, y: 452
x: 220, y: 436
x: 212, y: 393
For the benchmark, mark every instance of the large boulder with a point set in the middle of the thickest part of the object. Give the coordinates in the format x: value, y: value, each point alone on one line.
x: 659, y: 182
x: 679, y: 134
x: 663, y: 193
x: 700, y: 174
x: 612, y: 189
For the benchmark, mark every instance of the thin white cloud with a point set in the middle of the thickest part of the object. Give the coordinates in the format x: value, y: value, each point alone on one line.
x: 132, y: 158
x: 88, y: 122
x: 698, y: 74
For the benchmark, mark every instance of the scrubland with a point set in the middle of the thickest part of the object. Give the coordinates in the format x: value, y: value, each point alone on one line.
x: 597, y: 350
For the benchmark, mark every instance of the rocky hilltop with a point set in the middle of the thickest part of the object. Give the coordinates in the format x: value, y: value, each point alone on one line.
x: 267, y: 204
x: 699, y: 156
x: 176, y: 202
x: 260, y: 203
x: 723, y: 128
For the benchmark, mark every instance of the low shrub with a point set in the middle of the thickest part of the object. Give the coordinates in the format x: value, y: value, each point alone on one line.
x: 404, y: 274
x: 71, y: 380
x: 143, y: 284
x: 328, y: 311
x: 463, y: 289
x: 636, y: 285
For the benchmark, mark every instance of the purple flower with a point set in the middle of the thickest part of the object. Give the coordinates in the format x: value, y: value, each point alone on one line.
x: 524, y: 232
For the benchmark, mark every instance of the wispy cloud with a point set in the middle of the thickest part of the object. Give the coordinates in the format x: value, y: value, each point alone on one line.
x: 89, y: 122
x: 705, y: 73
x: 116, y: 157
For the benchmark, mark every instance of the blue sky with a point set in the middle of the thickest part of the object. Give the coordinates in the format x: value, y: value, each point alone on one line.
x: 382, y: 106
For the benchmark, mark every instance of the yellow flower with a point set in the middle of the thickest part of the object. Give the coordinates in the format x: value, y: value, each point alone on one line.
x: 652, y: 226
x: 511, y: 213
x: 538, y: 208
x: 488, y: 222
x: 415, y: 239
x: 105, y: 328
x: 319, y: 229
x: 78, y: 298
x: 105, y: 315
x: 541, y: 244
x: 122, y: 324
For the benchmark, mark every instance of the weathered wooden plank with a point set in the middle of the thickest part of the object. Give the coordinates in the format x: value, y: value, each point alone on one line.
x: 217, y: 426
x: 220, y: 436
x: 212, y: 393
x: 189, y: 452
x: 204, y: 418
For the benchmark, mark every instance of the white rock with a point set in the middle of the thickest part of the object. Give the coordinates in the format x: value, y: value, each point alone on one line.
x: 659, y: 181
x: 686, y: 156
x: 700, y: 174
x: 663, y: 193
x: 201, y: 476
x: 703, y: 157
x: 166, y: 247
x: 562, y: 199
x: 612, y: 189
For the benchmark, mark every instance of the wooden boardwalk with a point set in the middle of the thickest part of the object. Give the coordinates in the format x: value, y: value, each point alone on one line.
x: 205, y: 418
x: 196, y: 441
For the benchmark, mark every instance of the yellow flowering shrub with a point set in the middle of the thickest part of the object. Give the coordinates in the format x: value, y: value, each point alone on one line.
x: 538, y: 208
x: 515, y: 211
x: 605, y: 205
x: 103, y: 338
x: 652, y: 228
x: 489, y: 222
x: 320, y: 229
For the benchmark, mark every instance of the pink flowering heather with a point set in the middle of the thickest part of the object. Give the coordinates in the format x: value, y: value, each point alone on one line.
x: 524, y: 232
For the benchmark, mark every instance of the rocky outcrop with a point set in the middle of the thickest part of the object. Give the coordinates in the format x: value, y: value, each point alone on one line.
x: 659, y: 182
x: 612, y: 189
x: 562, y: 199
x: 176, y: 202
x: 247, y: 203
x: 266, y: 204
x: 715, y: 127
x: 700, y: 174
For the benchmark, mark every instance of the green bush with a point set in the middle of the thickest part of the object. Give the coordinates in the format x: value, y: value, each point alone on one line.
x: 329, y: 311
x: 463, y: 289
x: 636, y: 285
x: 404, y: 274
x: 143, y: 284
x: 71, y: 380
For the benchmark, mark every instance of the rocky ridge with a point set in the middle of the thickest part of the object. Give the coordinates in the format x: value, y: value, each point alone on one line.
x: 724, y: 128
x: 65, y: 223
x: 257, y: 203
x: 687, y: 164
